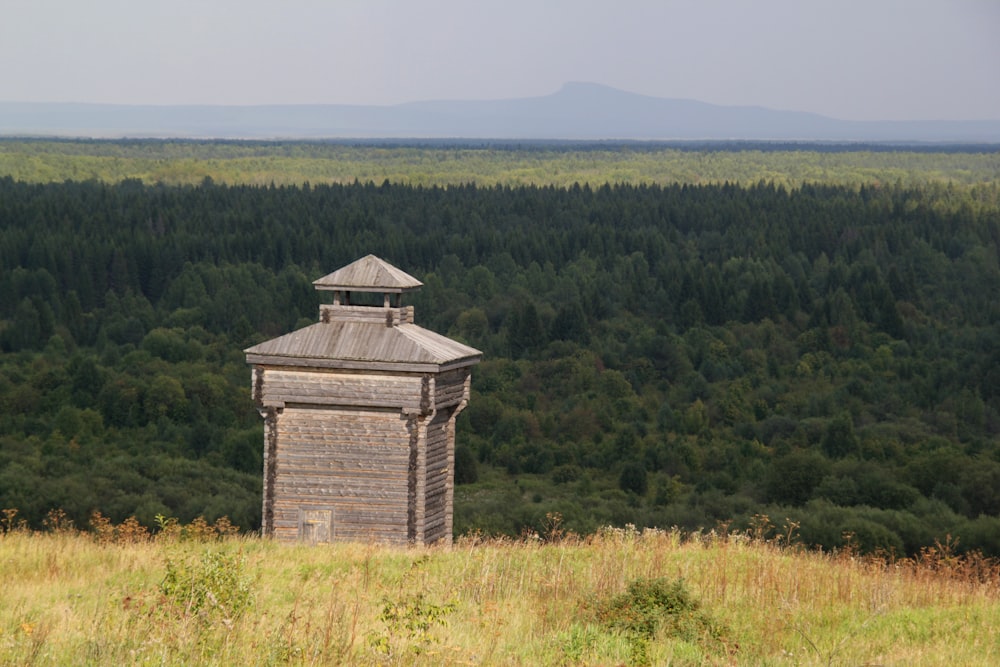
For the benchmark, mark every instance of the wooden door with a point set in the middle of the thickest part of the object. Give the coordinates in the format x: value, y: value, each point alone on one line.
x: 315, y: 525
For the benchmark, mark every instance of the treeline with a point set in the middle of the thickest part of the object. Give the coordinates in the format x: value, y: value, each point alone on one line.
x: 655, y: 354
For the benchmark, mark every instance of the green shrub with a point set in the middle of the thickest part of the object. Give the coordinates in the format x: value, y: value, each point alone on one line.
x: 652, y: 606
x: 215, y: 586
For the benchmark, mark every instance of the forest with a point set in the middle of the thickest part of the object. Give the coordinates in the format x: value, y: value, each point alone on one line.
x: 689, y: 354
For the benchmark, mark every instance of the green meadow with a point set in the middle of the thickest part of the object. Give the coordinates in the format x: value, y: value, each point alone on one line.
x: 202, y: 595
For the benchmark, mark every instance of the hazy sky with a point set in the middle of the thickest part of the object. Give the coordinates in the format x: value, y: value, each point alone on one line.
x: 851, y: 59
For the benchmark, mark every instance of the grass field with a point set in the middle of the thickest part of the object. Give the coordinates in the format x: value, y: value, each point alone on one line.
x: 621, y: 597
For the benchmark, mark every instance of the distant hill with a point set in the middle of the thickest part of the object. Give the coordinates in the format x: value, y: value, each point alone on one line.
x: 578, y: 111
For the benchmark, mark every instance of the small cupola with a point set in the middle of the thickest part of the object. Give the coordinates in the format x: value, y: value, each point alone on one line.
x: 353, y: 285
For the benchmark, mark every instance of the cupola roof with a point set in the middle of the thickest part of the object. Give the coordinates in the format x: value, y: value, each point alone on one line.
x: 368, y: 274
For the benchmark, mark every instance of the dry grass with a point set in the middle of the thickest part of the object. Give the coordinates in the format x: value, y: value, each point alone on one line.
x: 98, y: 598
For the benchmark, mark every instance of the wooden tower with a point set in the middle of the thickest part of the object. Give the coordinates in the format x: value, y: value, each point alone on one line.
x: 359, y: 417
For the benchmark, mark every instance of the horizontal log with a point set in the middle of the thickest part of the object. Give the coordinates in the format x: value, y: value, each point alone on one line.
x: 333, y: 379
x: 348, y: 517
x: 370, y: 490
x: 333, y: 477
x: 308, y: 386
x: 439, y: 460
x: 372, y: 444
x: 369, y: 469
x: 339, y: 418
x: 353, y: 447
x: 377, y: 493
x: 349, y: 463
x: 353, y: 452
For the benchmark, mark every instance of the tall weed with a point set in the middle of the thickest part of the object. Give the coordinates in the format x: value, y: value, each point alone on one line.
x: 216, y: 586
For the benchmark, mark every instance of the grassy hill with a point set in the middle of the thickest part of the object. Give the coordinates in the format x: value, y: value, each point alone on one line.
x: 115, y: 595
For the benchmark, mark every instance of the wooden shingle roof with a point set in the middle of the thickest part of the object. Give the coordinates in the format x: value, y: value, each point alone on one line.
x: 368, y: 274
x: 365, y: 337
x: 370, y: 345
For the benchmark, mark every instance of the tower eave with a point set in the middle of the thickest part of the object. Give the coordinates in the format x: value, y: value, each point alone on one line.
x: 359, y: 365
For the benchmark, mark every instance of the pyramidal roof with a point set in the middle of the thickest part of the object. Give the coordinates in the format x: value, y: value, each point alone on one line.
x: 368, y: 274
x: 365, y: 337
x: 369, y: 345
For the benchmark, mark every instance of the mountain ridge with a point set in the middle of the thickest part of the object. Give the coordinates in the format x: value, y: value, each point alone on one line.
x: 577, y: 111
